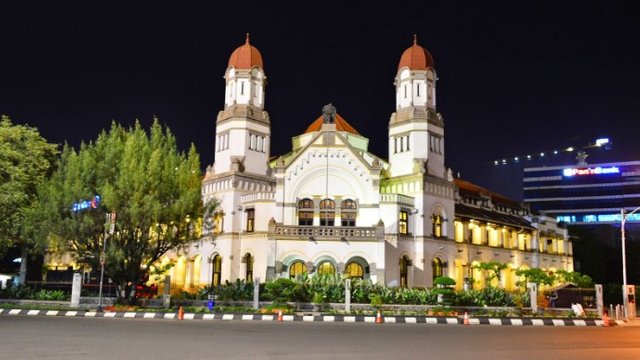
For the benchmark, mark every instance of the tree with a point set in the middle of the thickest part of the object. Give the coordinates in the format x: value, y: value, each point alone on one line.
x: 491, y: 270
x: 581, y: 281
x: 152, y: 187
x: 26, y: 159
x: 534, y: 275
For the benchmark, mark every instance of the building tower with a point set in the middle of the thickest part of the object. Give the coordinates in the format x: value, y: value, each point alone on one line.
x: 242, y: 147
x: 416, y: 130
x: 243, y: 131
x: 416, y: 165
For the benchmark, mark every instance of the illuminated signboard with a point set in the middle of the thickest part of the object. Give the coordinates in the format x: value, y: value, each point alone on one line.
x: 595, y: 218
x: 89, y: 204
x: 591, y: 171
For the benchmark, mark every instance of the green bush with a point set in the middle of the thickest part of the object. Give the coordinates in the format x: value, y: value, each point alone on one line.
x: 17, y: 292
x: 51, y: 295
x: 279, y: 291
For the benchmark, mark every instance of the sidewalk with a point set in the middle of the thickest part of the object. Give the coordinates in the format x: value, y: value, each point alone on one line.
x: 429, y: 320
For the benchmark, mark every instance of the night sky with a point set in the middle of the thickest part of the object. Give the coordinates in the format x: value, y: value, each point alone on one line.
x: 514, y: 77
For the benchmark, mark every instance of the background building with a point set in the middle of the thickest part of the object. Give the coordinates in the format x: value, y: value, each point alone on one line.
x: 584, y: 194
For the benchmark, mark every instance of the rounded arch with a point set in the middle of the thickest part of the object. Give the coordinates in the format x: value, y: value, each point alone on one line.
x: 438, y: 221
x: 337, y: 175
x: 437, y: 267
x: 325, y: 264
x: 297, y: 268
x: 404, y: 263
x: 357, y: 267
x: 216, y: 269
x: 292, y: 257
x: 247, y: 260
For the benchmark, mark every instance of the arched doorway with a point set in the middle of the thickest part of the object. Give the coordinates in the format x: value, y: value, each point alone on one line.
x: 405, y: 262
x: 436, y: 267
x: 216, y: 270
x: 296, y: 269
x: 248, y: 273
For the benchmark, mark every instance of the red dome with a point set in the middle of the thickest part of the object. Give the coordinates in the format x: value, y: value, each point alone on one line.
x: 416, y: 57
x: 245, y: 57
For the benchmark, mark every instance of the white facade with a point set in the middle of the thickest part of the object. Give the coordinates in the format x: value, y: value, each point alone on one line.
x: 330, y: 205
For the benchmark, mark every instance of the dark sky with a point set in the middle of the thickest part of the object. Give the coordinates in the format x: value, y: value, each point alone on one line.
x: 516, y: 77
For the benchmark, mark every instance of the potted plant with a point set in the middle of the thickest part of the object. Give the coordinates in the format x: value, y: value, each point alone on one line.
x: 444, y: 289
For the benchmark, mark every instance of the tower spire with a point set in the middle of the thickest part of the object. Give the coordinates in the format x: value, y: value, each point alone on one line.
x: 415, y: 39
x: 247, y: 41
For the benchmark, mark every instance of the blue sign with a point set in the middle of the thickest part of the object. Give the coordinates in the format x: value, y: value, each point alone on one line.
x: 89, y: 204
x: 591, y: 171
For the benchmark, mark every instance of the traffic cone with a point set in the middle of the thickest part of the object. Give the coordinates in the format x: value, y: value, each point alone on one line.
x: 279, y: 315
x: 466, y: 319
x: 379, y: 318
x: 180, y: 313
x: 605, y: 319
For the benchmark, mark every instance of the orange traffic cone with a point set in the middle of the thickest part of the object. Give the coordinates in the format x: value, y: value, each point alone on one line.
x: 466, y: 319
x: 280, y: 315
x: 180, y: 313
x: 605, y: 319
x: 379, y: 318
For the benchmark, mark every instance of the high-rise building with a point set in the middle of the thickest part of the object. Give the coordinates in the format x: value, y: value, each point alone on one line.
x: 587, y: 194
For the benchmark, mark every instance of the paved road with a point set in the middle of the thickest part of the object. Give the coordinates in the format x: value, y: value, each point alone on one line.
x: 35, y: 337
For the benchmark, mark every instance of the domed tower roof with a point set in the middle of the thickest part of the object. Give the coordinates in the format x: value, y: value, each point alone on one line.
x: 416, y: 57
x: 341, y: 125
x: 245, y: 56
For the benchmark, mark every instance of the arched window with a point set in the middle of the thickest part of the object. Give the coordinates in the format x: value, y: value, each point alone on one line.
x: 248, y: 259
x: 216, y: 269
x: 405, y: 262
x: 403, y: 222
x: 436, y: 229
x: 251, y: 219
x: 436, y: 267
x: 305, y: 212
x: 327, y: 212
x: 354, y: 270
x: 325, y: 268
x: 296, y: 269
x: 348, y: 213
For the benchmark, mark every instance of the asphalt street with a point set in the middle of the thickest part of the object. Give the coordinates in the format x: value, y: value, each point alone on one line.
x: 35, y: 337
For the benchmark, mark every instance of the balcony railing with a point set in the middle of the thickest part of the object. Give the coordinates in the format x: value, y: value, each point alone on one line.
x: 318, y: 233
x: 397, y: 199
x: 257, y: 196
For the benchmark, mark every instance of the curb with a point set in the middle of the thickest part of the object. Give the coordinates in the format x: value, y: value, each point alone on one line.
x: 432, y: 320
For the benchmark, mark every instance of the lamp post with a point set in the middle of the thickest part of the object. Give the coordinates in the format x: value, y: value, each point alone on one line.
x: 111, y: 219
x: 625, y: 299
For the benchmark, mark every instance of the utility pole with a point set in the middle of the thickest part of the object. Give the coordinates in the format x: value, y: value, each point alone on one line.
x: 110, y: 222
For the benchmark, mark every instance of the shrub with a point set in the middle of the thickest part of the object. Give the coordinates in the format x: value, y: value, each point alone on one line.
x: 51, y: 295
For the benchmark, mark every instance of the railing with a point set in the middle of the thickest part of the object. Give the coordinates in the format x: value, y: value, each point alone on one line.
x: 396, y: 199
x: 348, y: 233
x: 257, y: 196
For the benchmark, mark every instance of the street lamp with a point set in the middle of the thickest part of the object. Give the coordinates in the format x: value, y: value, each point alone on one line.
x: 625, y: 299
x: 111, y: 220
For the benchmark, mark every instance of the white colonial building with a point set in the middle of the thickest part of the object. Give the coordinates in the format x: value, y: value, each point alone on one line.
x: 331, y: 206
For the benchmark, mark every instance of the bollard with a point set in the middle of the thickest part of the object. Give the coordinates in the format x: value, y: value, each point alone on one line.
x: 181, y: 313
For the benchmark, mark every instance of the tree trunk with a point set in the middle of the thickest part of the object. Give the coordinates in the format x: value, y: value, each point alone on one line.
x: 23, y: 265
